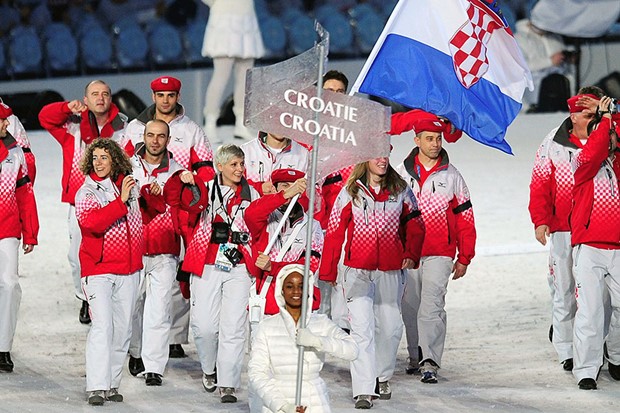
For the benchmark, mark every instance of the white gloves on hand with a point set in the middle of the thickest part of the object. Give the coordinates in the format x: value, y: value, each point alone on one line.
x: 288, y: 408
x: 306, y: 338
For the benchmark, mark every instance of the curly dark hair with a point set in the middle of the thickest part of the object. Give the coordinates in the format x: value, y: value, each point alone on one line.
x: 120, y: 160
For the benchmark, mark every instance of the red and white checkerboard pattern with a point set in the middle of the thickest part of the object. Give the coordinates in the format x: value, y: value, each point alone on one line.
x: 468, y: 45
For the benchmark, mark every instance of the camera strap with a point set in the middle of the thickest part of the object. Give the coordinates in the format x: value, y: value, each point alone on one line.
x: 221, y: 209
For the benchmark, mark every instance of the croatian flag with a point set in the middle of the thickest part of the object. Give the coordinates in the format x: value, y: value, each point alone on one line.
x: 454, y: 58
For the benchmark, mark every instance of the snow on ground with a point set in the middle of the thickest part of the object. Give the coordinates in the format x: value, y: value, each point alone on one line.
x: 497, y: 356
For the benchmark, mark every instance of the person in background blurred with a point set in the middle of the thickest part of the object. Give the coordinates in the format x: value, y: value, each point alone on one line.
x: 233, y: 40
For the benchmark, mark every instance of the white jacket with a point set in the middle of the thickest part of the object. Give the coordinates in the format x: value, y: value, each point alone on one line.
x: 272, y: 370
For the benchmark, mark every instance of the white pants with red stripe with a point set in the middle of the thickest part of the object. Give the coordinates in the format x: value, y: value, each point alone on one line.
x: 10, y: 291
x: 75, y: 239
x: 151, y: 319
x: 595, y: 270
x: 219, y: 319
x: 373, y: 299
x: 111, y: 299
x: 424, y: 311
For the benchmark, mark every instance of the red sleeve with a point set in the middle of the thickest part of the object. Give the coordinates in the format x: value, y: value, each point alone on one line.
x: 594, y: 152
x: 94, y: 218
x: 27, y: 209
x: 201, y: 165
x: 53, y: 118
x: 541, y: 188
x: 404, y: 121
x: 32, y: 167
x: 151, y: 205
x: 334, y: 239
x: 256, y: 185
x: 465, y: 230
x: 414, y: 228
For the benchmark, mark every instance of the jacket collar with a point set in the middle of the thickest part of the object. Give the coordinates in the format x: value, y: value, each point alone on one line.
x: 409, y: 162
x: 163, y: 167
x: 149, y: 113
x: 562, y: 135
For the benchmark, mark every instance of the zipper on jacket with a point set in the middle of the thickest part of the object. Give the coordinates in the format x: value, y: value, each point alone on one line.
x: 366, y: 211
x: 611, y: 182
x: 261, y: 170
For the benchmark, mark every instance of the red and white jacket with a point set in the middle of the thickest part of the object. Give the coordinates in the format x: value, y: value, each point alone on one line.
x: 160, y: 234
x: 188, y: 143
x: 262, y: 218
x: 595, y: 218
x: 111, y: 229
x: 446, y: 208
x: 551, y: 187
x: 17, y: 202
x: 74, y: 133
x: 200, y: 251
x: 260, y: 161
x: 16, y: 129
x: 381, y: 230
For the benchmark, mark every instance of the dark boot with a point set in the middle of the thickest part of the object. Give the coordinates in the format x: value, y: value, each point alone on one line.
x: 6, y: 364
x: 135, y: 366
x: 84, y: 314
x: 176, y: 351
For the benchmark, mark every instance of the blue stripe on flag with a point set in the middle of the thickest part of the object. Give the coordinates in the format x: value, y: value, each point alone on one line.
x: 419, y: 76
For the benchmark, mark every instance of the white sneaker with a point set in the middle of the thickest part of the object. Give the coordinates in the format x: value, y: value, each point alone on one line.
x: 227, y: 395
x: 96, y: 397
x: 429, y: 372
x: 209, y: 382
x: 363, y: 401
x: 385, y: 392
x: 113, y: 395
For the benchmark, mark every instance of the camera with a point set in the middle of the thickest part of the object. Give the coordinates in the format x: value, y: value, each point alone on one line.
x: 238, y: 237
x: 234, y: 256
x: 614, y: 106
x: 220, y: 232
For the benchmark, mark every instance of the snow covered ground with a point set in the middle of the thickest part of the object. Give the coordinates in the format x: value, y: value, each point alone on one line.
x: 497, y: 356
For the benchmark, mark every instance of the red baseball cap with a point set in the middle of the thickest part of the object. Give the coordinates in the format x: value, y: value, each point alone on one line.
x: 286, y: 175
x: 166, y: 84
x: 572, y: 103
x: 5, y: 110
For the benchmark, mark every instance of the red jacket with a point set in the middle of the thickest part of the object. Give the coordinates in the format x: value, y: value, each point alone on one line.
x: 446, y: 209
x: 200, y: 251
x: 74, y: 133
x: 111, y: 229
x: 17, y: 202
x: 262, y: 218
x: 595, y: 218
x: 381, y: 230
x: 551, y: 187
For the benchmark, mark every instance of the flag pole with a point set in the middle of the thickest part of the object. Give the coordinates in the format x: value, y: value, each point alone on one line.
x: 323, y: 34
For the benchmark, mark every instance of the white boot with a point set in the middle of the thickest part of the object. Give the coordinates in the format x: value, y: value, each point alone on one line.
x: 211, y: 128
x: 241, y: 132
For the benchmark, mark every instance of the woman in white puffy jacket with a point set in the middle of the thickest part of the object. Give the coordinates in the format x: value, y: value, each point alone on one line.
x: 272, y: 369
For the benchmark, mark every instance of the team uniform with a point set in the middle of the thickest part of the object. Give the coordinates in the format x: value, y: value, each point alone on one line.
x: 446, y: 209
x: 162, y: 246
x: 191, y: 149
x: 74, y: 133
x: 19, y: 221
x: 551, y: 200
x: 595, y: 236
x: 17, y: 131
x: 373, y: 280
x: 219, y: 290
x: 262, y: 218
x: 261, y: 160
x: 110, y: 258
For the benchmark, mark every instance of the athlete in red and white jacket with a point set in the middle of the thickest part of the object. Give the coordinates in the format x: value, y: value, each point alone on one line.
x: 217, y: 257
x: 188, y: 142
x: 18, y: 132
x: 378, y: 216
x: 75, y: 125
x: 19, y: 221
x: 446, y: 208
x: 153, y: 165
x: 110, y: 219
x: 551, y: 200
x: 595, y: 231
x: 267, y: 153
x: 263, y: 217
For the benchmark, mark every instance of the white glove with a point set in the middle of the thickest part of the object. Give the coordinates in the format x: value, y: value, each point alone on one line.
x: 306, y: 338
x: 288, y: 408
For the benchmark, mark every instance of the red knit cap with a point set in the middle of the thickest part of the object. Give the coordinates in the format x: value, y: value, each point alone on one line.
x: 572, y: 103
x: 5, y: 111
x: 166, y: 84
